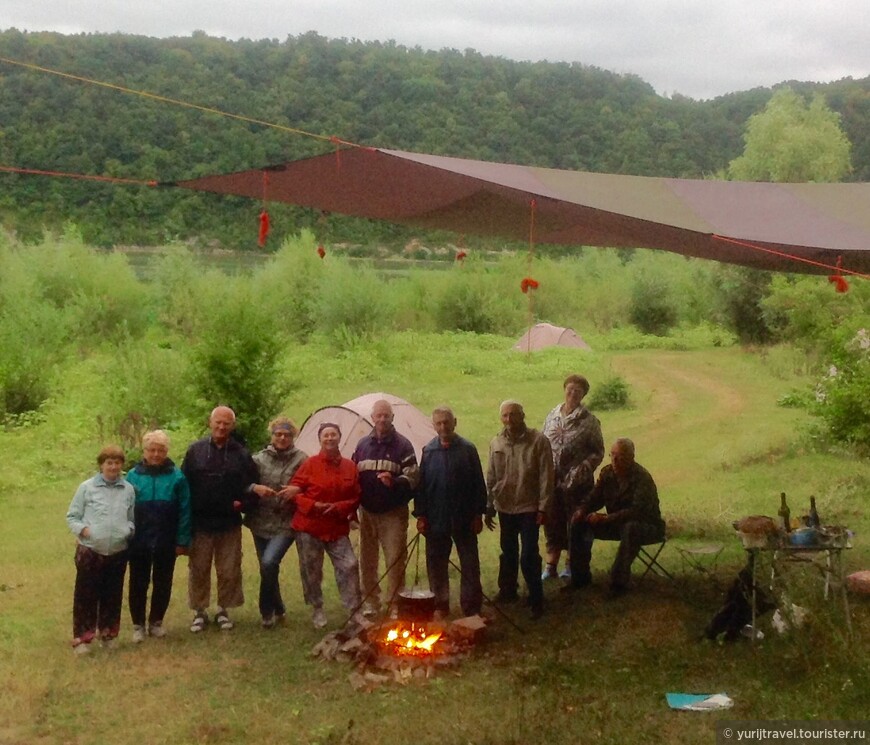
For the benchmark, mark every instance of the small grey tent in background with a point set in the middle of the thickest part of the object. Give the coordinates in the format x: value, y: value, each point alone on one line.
x: 355, y: 420
x: 547, y: 335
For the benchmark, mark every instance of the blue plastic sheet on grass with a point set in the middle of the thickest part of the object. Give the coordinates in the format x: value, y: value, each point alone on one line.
x: 699, y: 701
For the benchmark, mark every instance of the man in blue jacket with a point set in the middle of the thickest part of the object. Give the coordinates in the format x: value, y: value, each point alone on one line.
x: 450, y: 505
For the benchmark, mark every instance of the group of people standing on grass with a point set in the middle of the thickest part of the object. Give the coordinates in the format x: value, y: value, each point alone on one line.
x: 160, y: 511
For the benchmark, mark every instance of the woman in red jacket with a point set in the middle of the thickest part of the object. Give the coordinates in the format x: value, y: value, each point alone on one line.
x: 326, y: 492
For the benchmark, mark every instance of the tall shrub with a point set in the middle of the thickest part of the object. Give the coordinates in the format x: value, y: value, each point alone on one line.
x: 236, y: 359
x: 741, y: 293
x: 99, y: 294
x: 472, y: 297
x: 32, y: 335
x: 353, y: 302
x: 653, y: 309
x: 150, y: 387
x: 293, y: 281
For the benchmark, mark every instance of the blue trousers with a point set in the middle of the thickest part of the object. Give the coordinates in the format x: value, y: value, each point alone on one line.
x: 519, y: 529
x: 270, y: 552
x: 438, y: 547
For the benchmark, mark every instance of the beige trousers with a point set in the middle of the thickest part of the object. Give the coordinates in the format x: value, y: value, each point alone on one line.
x: 225, y: 551
x: 390, y: 531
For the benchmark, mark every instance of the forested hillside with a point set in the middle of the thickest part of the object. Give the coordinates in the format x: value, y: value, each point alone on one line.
x: 448, y: 102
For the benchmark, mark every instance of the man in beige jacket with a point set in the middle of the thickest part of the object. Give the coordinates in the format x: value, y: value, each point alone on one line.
x: 519, y: 485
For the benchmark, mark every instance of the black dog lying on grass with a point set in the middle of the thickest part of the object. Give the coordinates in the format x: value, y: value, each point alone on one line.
x: 737, y: 610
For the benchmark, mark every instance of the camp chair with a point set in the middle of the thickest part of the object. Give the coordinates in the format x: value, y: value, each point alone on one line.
x: 701, y: 560
x: 649, y: 556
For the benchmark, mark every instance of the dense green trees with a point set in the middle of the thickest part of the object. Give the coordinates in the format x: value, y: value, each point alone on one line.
x: 448, y: 102
x: 793, y: 142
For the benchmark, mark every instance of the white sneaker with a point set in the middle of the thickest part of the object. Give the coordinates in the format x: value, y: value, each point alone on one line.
x: 318, y: 618
x: 82, y: 648
x: 109, y: 644
x: 156, y: 630
x: 549, y: 572
x: 138, y: 634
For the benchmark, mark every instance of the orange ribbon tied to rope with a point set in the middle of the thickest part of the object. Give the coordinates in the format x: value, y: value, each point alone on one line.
x: 264, y: 229
x: 529, y: 284
x: 264, y: 215
x: 321, y: 251
x: 838, y: 280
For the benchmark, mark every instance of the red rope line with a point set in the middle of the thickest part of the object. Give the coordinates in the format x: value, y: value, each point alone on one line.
x: 80, y: 176
x: 793, y: 257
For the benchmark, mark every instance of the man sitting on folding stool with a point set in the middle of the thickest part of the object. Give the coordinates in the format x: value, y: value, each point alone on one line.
x: 628, y: 492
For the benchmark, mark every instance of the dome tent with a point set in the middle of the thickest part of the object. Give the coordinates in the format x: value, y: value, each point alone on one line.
x: 354, y: 419
x: 544, y: 335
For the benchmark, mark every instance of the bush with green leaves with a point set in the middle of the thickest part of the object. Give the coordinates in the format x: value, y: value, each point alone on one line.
x: 150, y: 387
x: 353, y: 302
x: 652, y: 307
x: 57, y: 298
x: 740, y: 294
x: 843, y: 393
x: 177, y: 282
x: 293, y: 280
x: 33, y: 336
x: 236, y: 360
x: 473, y: 297
x: 804, y: 310
x: 611, y: 394
x: 97, y: 291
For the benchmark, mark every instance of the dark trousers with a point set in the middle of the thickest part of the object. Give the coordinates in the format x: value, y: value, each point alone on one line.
x: 154, y: 568
x: 515, y: 530
x: 438, y: 547
x: 270, y: 552
x: 98, y: 594
x: 631, y: 536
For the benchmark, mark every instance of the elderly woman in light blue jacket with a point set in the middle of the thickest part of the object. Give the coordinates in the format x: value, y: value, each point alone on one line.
x: 100, y: 516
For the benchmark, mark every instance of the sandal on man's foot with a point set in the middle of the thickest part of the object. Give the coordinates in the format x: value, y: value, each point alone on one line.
x: 200, y: 620
x: 223, y: 621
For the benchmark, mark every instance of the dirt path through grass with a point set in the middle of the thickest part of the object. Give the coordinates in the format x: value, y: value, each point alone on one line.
x: 687, y: 404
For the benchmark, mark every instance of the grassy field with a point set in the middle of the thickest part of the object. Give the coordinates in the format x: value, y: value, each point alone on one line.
x: 591, y: 671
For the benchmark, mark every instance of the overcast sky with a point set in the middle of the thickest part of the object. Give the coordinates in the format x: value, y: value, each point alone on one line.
x: 699, y: 48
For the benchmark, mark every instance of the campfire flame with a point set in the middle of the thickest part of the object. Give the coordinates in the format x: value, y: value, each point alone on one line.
x: 413, y: 639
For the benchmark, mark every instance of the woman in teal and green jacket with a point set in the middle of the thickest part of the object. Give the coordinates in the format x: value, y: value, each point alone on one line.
x: 162, y: 532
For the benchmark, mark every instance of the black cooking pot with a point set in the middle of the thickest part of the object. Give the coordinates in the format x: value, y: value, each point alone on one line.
x: 416, y: 604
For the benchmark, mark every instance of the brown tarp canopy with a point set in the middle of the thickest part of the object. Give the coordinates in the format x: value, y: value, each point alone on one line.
x: 817, y: 222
